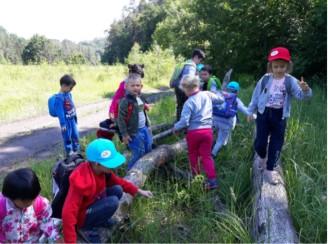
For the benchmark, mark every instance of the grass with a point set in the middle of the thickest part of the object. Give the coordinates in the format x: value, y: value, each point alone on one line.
x: 25, y: 89
x: 182, y: 212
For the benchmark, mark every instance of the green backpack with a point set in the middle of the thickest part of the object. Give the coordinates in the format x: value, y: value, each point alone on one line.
x: 176, y: 76
x: 217, y: 82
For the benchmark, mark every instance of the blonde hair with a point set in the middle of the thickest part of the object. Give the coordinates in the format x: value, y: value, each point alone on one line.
x: 189, y: 82
x: 289, y: 67
x: 133, y: 78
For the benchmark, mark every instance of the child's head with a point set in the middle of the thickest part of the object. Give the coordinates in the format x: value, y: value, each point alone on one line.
x: 206, y: 72
x: 103, y: 156
x: 21, y: 186
x: 136, y: 69
x: 279, y: 62
x: 133, y: 84
x: 233, y: 87
x: 189, y: 84
x: 67, y: 83
x: 198, y: 55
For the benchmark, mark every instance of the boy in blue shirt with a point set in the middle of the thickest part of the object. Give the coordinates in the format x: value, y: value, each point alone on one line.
x: 66, y: 113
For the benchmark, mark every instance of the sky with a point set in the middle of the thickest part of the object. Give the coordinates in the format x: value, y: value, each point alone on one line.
x: 75, y: 20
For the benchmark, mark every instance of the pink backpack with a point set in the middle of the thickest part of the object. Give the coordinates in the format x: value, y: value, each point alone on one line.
x: 119, y: 94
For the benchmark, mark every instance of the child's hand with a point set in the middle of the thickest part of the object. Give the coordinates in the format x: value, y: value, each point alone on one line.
x: 148, y: 106
x: 111, y: 115
x: 63, y: 129
x: 126, y: 139
x: 144, y: 193
x: 250, y: 118
x: 304, y: 86
x: 174, y: 131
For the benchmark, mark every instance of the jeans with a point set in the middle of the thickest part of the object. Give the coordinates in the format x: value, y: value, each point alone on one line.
x: 270, y: 123
x: 140, y: 144
x: 71, y: 136
x: 100, y: 212
x: 222, y: 140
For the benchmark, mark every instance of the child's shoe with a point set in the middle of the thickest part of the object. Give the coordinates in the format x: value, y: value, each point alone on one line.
x: 271, y: 177
x: 211, y: 184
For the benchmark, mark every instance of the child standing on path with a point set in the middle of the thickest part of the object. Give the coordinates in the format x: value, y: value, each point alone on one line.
x: 225, y: 116
x: 133, y: 121
x: 271, y: 101
x: 25, y: 216
x: 66, y: 113
x: 196, y: 116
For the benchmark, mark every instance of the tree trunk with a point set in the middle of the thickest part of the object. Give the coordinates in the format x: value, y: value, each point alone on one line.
x: 271, y: 221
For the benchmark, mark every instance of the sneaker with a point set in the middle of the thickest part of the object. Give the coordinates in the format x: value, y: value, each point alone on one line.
x: 261, y: 163
x: 211, y: 184
x: 271, y: 177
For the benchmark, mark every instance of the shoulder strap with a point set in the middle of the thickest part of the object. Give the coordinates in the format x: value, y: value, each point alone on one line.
x: 288, y: 84
x: 264, y: 82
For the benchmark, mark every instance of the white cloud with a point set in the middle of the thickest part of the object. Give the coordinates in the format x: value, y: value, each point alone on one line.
x: 76, y: 20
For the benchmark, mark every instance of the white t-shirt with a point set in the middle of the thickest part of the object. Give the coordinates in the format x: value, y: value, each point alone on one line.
x: 142, y: 117
x: 277, y: 93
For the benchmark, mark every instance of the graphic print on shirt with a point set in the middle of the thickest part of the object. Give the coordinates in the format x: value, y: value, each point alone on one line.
x: 277, y: 94
x: 69, y: 109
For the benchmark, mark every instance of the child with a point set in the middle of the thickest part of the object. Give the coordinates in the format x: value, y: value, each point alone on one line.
x: 120, y: 92
x: 197, y: 117
x: 272, y: 101
x: 133, y: 121
x: 209, y: 82
x: 25, y: 216
x: 95, y: 191
x: 224, y: 118
x: 66, y: 113
x: 189, y: 68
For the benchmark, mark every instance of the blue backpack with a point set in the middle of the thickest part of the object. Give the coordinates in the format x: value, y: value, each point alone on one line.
x: 229, y: 108
x: 52, y: 105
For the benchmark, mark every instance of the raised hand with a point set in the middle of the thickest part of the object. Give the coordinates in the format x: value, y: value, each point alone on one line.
x: 304, y: 86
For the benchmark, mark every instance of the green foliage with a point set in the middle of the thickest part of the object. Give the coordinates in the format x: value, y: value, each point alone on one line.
x: 75, y: 58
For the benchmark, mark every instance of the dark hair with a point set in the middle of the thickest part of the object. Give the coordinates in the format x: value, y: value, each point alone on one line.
x: 137, y: 69
x: 21, y: 184
x: 67, y: 80
x: 199, y: 53
x: 207, y: 68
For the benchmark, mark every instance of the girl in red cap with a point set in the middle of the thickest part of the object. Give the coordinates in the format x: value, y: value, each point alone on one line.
x: 271, y: 101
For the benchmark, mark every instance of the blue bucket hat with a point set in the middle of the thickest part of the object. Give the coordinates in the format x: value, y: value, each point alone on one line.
x: 233, y: 86
x: 199, y: 67
x: 103, y: 151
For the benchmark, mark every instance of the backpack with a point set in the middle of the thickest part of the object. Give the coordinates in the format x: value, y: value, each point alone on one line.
x: 288, y: 83
x: 216, y: 80
x: 60, y: 181
x: 52, y: 105
x: 37, y: 206
x: 229, y: 108
x: 176, y: 76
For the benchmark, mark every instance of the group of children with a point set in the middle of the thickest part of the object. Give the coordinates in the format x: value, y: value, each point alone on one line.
x: 95, y: 190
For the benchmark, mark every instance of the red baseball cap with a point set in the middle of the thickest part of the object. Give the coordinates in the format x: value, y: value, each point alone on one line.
x: 279, y: 53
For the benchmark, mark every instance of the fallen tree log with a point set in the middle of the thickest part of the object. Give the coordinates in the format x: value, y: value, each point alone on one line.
x: 162, y: 135
x: 160, y: 128
x: 271, y: 219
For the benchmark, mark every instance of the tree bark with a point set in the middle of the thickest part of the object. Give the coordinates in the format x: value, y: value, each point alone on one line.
x: 271, y: 219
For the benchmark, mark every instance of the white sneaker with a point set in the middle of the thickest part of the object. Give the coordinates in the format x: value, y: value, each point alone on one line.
x: 261, y: 163
x: 271, y: 177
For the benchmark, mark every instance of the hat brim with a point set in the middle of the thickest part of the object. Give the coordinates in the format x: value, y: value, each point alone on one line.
x: 114, y: 162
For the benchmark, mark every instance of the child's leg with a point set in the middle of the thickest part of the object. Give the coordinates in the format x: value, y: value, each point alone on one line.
x: 75, y: 137
x: 278, y: 127
x: 193, y: 144
x: 262, y: 134
x: 136, y: 145
x: 206, y: 139
x: 148, y: 139
x: 67, y: 137
x: 222, y: 140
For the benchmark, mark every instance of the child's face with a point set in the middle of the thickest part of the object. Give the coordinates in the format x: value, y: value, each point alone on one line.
x: 189, y: 92
x: 279, y: 68
x: 204, y: 75
x: 19, y: 203
x: 134, y: 87
x: 66, y: 88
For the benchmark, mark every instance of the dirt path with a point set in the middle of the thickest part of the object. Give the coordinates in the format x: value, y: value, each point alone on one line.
x: 40, y: 137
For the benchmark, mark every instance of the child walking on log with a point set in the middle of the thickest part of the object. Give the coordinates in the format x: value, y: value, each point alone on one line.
x: 271, y: 101
x: 196, y: 116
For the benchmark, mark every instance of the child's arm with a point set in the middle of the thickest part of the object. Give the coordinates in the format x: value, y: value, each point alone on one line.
x: 122, y: 125
x: 217, y: 98
x: 59, y: 108
x: 47, y: 225
x: 300, y: 89
x: 184, y: 118
x: 242, y: 108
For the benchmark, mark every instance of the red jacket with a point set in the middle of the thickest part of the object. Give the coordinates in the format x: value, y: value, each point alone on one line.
x: 84, y: 187
x: 119, y: 94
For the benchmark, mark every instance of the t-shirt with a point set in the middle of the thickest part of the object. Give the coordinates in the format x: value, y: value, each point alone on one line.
x: 277, y: 93
x: 142, y: 117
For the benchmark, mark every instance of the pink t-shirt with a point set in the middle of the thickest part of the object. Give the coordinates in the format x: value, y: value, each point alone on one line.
x: 277, y: 93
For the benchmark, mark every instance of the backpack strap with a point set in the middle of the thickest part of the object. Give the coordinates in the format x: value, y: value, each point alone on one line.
x: 264, y: 82
x: 288, y: 83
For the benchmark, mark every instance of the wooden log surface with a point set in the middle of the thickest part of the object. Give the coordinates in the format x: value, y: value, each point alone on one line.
x: 271, y: 219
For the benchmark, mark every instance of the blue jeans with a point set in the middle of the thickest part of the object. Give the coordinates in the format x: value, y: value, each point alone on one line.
x: 100, y: 212
x: 71, y: 136
x: 140, y: 145
x: 270, y: 123
x: 222, y: 140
